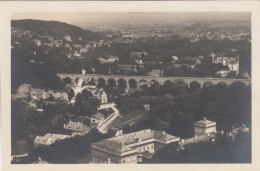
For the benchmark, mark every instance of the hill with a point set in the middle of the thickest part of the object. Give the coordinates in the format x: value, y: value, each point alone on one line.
x: 56, y: 29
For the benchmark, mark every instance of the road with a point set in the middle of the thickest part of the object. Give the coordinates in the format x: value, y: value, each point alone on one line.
x: 103, y: 128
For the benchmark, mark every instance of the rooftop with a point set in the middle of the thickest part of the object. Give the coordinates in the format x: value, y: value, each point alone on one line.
x: 205, y: 123
x: 76, y: 126
x: 122, y: 143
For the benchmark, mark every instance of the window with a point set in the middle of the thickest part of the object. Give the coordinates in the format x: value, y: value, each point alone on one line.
x: 123, y: 161
x: 151, y: 146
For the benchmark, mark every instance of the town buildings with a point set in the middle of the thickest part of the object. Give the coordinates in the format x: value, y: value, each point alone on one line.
x: 129, y: 148
x: 232, y: 63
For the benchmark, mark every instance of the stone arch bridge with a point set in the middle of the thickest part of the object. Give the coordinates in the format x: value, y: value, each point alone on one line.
x: 149, y: 79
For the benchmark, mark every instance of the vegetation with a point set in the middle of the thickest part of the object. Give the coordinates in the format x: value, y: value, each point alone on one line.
x: 176, y: 107
x: 69, y: 150
x: 224, y: 150
x: 58, y: 29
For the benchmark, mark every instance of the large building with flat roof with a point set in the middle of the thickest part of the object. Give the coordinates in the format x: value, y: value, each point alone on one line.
x: 130, y: 148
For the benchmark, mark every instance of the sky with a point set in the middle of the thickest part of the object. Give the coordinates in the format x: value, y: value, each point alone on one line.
x: 113, y: 17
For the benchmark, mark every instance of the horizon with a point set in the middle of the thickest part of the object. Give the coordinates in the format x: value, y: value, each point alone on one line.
x: 97, y: 18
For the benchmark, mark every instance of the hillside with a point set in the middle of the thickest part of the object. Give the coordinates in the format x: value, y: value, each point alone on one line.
x: 56, y: 29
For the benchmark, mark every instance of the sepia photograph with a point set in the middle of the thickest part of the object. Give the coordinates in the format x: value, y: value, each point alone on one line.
x: 131, y: 87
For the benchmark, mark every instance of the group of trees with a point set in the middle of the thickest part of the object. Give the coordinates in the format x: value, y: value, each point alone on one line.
x: 26, y: 122
x: 85, y: 104
x: 69, y: 150
x: 224, y: 150
x: 176, y: 106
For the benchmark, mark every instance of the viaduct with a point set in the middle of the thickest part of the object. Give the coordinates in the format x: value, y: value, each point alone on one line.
x: 140, y: 80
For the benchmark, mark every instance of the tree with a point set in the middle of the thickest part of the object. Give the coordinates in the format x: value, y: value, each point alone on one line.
x: 71, y: 94
x: 111, y: 83
x: 85, y: 103
x: 121, y: 85
x: 168, y: 84
x: 132, y: 83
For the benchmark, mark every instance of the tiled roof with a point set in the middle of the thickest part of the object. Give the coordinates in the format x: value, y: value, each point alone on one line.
x: 120, y: 143
x: 44, y: 140
x: 49, y: 138
x: 57, y: 136
x: 76, y: 126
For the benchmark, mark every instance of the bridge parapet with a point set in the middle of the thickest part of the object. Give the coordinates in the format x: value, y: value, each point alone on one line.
x: 148, y: 79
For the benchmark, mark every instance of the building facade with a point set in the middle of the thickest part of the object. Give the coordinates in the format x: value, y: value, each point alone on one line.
x: 204, y: 127
x: 129, y: 148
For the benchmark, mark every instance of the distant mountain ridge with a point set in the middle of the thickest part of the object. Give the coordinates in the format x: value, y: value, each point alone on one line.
x: 56, y: 29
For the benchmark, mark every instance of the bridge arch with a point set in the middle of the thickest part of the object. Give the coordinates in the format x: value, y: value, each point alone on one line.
x: 143, y: 82
x: 92, y: 81
x: 168, y: 84
x: 154, y: 82
x: 111, y: 82
x: 221, y: 85
x: 132, y: 83
x: 179, y: 82
x: 67, y: 80
x: 194, y: 85
x: 121, y: 81
x: 101, y: 82
x: 207, y: 84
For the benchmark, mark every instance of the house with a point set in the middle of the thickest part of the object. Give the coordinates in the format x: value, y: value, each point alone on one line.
x: 147, y: 107
x: 174, y: 59
x: 155, y: 73
x: 100, y: 94
x: 232, y: 63
x: 76, y: 46
x: 129, y: 148
x: 67, y: 45
x: 83, y: 50
x: 76, y: 127
x: 204, y: 127
x: 223, y: 73
x: 139, y: 61
x: 112, y: 58
x: 138, y: 54
x: 49, y: 139
x: 37, y: 42
x: 97, y: 118
x: 77, y: 54
x: 67, y: 38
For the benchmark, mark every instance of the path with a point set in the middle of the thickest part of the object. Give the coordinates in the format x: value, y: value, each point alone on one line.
x: 103, y: 127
